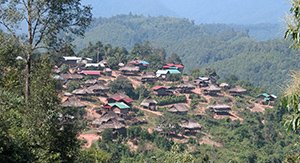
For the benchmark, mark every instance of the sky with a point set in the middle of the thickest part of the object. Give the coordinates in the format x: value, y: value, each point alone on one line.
x: 201, y: 11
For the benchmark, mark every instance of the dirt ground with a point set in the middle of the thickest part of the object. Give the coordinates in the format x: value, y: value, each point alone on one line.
x: 260, y: 108
x: 150, y: 111
x: 90, y: 138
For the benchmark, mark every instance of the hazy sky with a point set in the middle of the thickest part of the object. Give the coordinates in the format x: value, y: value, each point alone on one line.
x: 202, y: 11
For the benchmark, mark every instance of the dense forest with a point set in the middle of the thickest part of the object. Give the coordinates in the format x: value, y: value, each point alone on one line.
x: 227, y: 48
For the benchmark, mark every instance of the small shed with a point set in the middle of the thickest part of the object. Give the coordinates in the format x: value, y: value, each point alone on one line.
x: 220, y: 109
x: 212, y: 90
x: 190, y: 126
x: 237, y: 91
x: 149, y: 104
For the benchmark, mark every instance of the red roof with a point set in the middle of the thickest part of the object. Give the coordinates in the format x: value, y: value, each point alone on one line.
x: 90, y: 72
x: 119, y: 97
x: 106, y: 106
x: 155, y: 88
x: 173, y: 65
x: 128, y: 100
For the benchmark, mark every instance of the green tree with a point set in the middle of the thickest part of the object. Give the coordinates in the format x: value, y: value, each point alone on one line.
x: 122, y: 84
x: 293, y: 22
x: 48, y: 25
x: 174, y: 58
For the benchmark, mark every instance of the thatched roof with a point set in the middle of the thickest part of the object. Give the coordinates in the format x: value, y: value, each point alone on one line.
x: 73, y: 102
x: 190, y: 124
x: 109, y: 116
x: 130, y: 69
x: 83, y: 91
x: 213, y: 88
x: 98, y: 87
x: 91, y: 82
x: 237, y: 89
x: 179, y: 108
x: 187, y: 85
x: 109, y: 120
x: 71, y: 76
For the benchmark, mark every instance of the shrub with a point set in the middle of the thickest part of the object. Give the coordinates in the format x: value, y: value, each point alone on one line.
x: 170, y: 100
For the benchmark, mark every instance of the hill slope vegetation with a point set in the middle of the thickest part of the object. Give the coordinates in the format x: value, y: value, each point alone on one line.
x: 227, y: 48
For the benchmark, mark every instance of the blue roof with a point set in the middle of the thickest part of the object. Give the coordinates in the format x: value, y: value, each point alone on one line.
x: 144, y: 62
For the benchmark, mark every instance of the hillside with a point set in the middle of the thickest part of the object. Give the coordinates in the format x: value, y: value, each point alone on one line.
x: 136, y: 115
x: 204, y: 45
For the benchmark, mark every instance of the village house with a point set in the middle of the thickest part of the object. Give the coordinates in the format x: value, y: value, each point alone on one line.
x: 212, y: 90
x: 139, y: 63
x: 190, y: 126
x: 202, y: 81
x: 179, y: 67
x: 91, y: 82
x: 180, y: 108
x: 109, y: 120
x: 120, y: 97
x: 90, y: 72
x: 73, y: 102
x: 220, y: 109
x: 224, y: 86
x: 69, y: 76
x: 148, y: 77
x: 92, y: 66
x: 119, y: 108
x: 161, y: 91
x: 185, y: 88
x: 83, y: 92
x: 266, y: 99
x: 99, y: 89
x: 107, y: 72
x: 164, y: 74
x: 72, y: 60
x: 130, y: 70
x: 237, y: 91
x: 149, y: 104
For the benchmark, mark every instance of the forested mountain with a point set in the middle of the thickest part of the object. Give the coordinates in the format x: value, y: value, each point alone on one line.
x: 204, y: 45
x: 202, y: 11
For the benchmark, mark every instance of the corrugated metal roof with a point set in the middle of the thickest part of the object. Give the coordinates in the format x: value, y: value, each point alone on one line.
x: 120, y: 105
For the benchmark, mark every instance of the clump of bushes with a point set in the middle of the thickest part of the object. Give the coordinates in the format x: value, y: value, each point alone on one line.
x: 170, y: 100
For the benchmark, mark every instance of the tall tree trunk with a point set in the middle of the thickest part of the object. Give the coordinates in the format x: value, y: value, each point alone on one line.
x: 27, y: 77
x: 29, y: 52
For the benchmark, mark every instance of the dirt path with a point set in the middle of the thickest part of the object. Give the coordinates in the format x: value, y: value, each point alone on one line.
x: 89, y: 104
x: 150, y: 111
x: 188, y: 100
x: 103, y: 99
x: 90, y: 138
x: 91, y: 114
x: 207, y: 140
x: 199, y: 92
x: 136, y: 83
x: 260, y: 108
